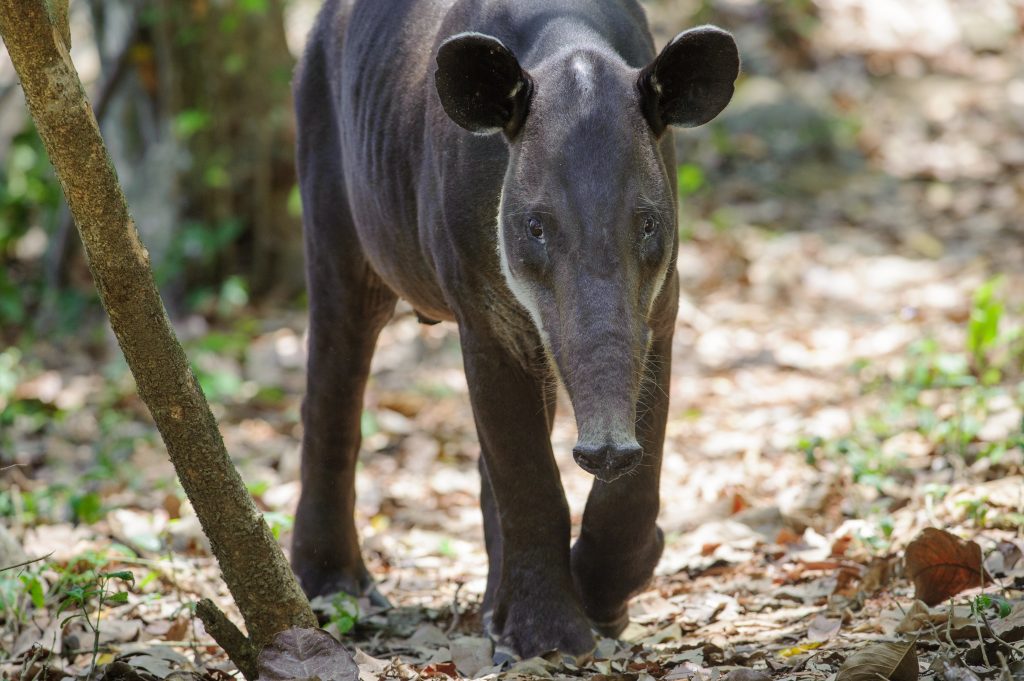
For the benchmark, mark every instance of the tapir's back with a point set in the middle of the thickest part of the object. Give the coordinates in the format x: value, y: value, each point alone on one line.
x: 405, y: 163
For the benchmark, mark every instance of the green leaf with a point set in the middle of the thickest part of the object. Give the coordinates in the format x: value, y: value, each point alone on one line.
x: 190, y: 122
x: 254, y: 6
x: 295, y: 202
x: 34, y: 588
x: 70, y: 618
x: 123, y: 575
x: 346, y: 612
x: 689, y: 178
x: 983, y: 327
x: 87, y: 508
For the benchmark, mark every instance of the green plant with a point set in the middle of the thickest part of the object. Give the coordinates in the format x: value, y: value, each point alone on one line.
x: 689, y: 179
x: 986, y: 602
x: 18, y: 591
x: 30, y: 199
x: 877, y: 537
x: 976, y: 510
x: 945, y: 397
x: 87, y: 507
x: 278, y: 522
x: 345, y: 613
x: 983, y: 333
x: 91, y: 591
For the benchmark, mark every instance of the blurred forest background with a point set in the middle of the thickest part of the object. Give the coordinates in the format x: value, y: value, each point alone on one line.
x: 900, y: 117
x: 848, y: 359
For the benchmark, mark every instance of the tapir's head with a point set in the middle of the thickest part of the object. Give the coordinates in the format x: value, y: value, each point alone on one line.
x: 587, y: 218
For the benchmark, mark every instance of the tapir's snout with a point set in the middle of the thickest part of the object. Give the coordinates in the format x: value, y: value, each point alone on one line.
x: 608, y: 461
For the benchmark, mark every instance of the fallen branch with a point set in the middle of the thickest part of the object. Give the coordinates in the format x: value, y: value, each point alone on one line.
x: 26, y: 562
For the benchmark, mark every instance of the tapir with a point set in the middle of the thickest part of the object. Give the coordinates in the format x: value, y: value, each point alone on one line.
x: 506, y: 165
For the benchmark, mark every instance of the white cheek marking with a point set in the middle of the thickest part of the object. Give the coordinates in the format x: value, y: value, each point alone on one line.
x: 519, y: 289
x: 663, y: 280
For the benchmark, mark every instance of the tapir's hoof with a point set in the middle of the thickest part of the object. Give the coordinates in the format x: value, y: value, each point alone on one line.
x: 527, y: 645
x: 531, y: 632
x: 378, y: 600
x: 323, y: 603
x: 606, y: 580
x: 611, y: 628
x: 328, y: 583
x: 487, y: 619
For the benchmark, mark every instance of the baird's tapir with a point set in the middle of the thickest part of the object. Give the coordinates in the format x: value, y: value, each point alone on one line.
x: 507, y: 165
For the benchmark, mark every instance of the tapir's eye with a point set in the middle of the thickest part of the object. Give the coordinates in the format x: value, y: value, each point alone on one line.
x: 650, y: 225
x: 535, y: 229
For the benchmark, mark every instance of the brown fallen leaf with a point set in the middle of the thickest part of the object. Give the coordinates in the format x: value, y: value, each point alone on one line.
x: 471, y: 654
x: 877, y: 576
x: 955, y: 624
x: 178, y: 630
x: 440, y: 669
x: 1011, y: 627
x: 1003, y: 561
x: 942, y: 565
x: 304, y: 653
x: 841, y: 545
x: 787, y: 536
x: 848, y: 578
x: 159, y: 661
x: 952, y: 670
x: 917, y: 617
x: 894, y: 661
x: 122, y: 671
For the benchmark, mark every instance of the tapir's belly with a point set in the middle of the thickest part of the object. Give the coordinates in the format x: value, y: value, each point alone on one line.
x: 390, y: 240
x: 396, y: 202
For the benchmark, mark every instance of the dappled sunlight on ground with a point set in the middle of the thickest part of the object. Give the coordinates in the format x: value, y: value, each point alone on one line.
x: 847, y: 371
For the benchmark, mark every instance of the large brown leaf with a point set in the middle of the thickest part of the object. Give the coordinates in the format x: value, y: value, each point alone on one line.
x: 893, y: 661
x: 305, y: 654
x: 942, y: 565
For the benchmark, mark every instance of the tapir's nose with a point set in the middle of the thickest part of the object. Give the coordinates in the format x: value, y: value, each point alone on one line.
x: 607, y: 461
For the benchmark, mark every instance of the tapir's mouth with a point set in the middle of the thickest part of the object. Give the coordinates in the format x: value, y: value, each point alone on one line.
x: 608, y: 461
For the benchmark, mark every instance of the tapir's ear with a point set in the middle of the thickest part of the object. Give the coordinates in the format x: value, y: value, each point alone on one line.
x: 481, y: 85
x: 691, y: 81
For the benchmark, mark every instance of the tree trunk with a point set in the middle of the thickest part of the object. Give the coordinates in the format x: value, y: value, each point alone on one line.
x: 253, y: 566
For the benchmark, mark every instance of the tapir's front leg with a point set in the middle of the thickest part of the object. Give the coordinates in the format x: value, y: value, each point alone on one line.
x: 536, y: 607
x: 620, y: 543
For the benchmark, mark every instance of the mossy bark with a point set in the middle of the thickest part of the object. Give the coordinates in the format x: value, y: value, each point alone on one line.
x: 253, y: 566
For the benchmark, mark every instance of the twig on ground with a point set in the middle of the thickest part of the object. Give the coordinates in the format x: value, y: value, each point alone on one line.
x: 27, y: 562
x: 456, y: 613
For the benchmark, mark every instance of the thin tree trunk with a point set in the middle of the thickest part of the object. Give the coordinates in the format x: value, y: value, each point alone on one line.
x: 253, y: 566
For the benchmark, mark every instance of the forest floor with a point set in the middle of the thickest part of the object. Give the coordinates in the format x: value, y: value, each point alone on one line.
x: 847, y: 375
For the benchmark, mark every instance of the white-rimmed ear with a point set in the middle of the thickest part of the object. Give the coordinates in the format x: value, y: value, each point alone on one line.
x: 691, y: 81
x: 481, y: 85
